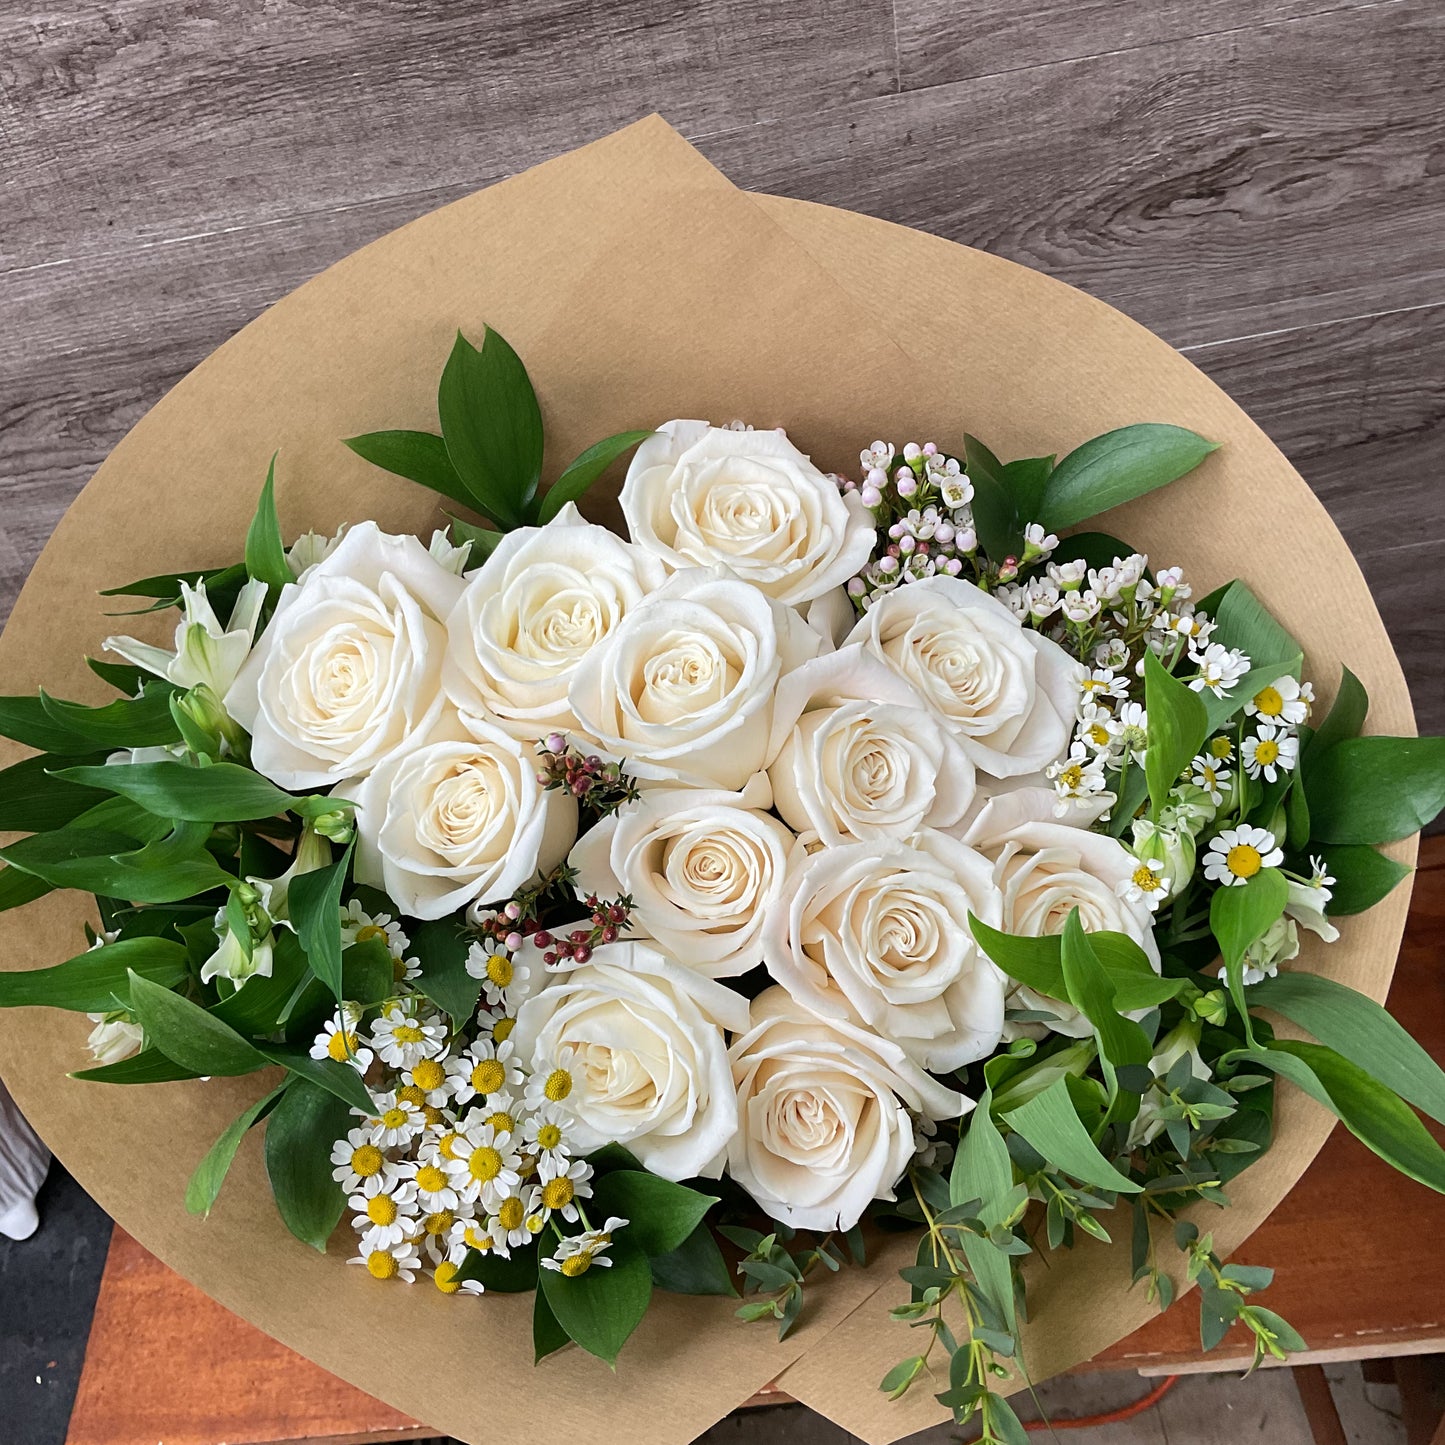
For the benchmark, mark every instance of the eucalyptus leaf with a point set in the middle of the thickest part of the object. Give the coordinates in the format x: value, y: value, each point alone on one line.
x: 983, y: 1170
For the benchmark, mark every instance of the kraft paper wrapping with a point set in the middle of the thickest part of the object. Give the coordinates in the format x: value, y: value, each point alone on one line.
x: 638, y: 285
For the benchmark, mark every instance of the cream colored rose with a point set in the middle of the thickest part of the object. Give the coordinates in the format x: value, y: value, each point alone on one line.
x: 879, y: 932
x: 824, y: 1124
x: 683, y: 689
x: 643, y: 1039
x: 539, y: 604
x: 699, y: 496
x: 460, y: 818
x: 856, y: 755
x: 701, y: 866
x: 348, y: 671
x: 1045, y: 869
x: 1006, y: 692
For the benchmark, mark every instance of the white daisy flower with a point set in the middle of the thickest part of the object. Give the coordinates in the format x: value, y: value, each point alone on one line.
x: 1237, y: 854
x: 1146, y: 884
x: 1206, y: 772
x: 1283, y: 701
x: 502, y: 1110
x: 479, y: 1233
x: 550, y: 1084
x: 563, y: 1187
x: 1219, y: 668
x: 340, y: 1043
x: 545, y: 1134
x: 357, y: 926
x: 1221, y: 749
x: 1271, y: 749
x: 577, y: 1253
x: 444, y: 1277
x: 1106, y: 682
x: 485, y: 1165
x: 356, y: 1159
x: 486, y: 1068
x: 386, y: 1209
x: 1130, y: 726
x: 1319, y: 874
x: 436, y: 1229
x: 495, y: 1024
x: 1077, y: 779
x: 501, y: 975
x: 397, y: 1123
x: 402, y: 1038
x: 434, y: 1188
x: 1093, y: 729
x: 387, y: 1262
x: 519, y: 1217
x: 429, y: 1078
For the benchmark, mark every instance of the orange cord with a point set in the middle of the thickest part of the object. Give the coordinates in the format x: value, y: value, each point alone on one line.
x: 1113, y: 1417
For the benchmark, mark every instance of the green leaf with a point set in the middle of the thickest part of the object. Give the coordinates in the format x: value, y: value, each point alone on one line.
x: 1358, y: 1029
x: 340, y: 1080
x: 600, y: 1308
x: 150, y: 1066
x: 1244, y: 622
x: 257, y: 1007
x: 660, y: 1214
x: 210, y: 1173
x: 1375, y: 789
x: 696, y: 1266
x: 1345, y: 719
x: 1092, y: 991
x: 97, y: 981
x: 1218, y: 1310
x: 999, y: 529
x: 1371, y: 1112
x: 185, y: 1032
x: 124, y: 677
x: 1241, y: 914
x: 124, y: 722
x: 440, y: 947
x: 1026, y: 481
x: 515, y: 1274
x: 492, y: 426
x: 419, y: 456
x: 108, y: 863
x: 32, y: 801
x: 547, y: 1335
x: 216, y: 793
x: 585, y: 470
x: 1051, y: 1124
x: 26, y: 720
x: 1117, y: 467
x: 983, y: 1170
x: 18, y: 888
x: 299, y: 1136
x: 314, y: 902
x: 484, y: 540
x: 1362, y: 876
x: 1178, y: 725
x: 265, y: 552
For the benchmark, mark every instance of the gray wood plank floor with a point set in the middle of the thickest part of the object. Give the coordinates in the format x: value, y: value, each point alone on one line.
x: 1257, y: 180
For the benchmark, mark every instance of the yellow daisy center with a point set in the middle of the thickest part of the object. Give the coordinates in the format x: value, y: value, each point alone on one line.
x: 394, y: 1118
x: 502, y: 1030
x: 341, y: 1046
x: 366, y: 1161
x: 398, y: 969
x: 1219, y: 748
x: 1269, y: 702
x: 499, y: 970
x: 1211, y: 778
x: 512, y: 1213
x: 430, y: 1179
x: 428, y: 1075
x: 381, y: 1209
x: 558, y: 1193
x: 433, y: 1115
x: 407, y: 1034
x: 1266, y: 751
x: 381, y: 1264
x: 446, y: 1145
x: 1146, y: 878
x: 549, y: 1136
x: 1072, y: 776
x: 439, y: 1222
x: 445, y: 1277
x: 370, y: 931
x: 485, y: 1164
x: 475, y: 1237
x: 576, y: 1264
x: 1243, y: 861
x: 558, y: 1085
x: 502, y: 1122
x: 489, y: 1076
x: 1098, y: 734
x: 413, y: 1095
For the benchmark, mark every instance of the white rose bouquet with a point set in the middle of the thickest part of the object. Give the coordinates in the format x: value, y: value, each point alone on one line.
x: 826, y: 849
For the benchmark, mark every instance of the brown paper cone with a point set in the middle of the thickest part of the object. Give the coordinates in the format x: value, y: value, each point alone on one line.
x: 638, y: 285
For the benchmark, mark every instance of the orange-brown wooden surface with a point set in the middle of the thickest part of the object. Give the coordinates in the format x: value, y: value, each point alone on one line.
x: 1355, y: 1246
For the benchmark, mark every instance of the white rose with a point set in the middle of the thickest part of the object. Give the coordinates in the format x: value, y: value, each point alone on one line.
x: 856, y: 756
x: 699, y: 496
x: 879, y: 932
x: 683, y: 689
x: 349, y: 669
x: 700, y: 865
x: 824, y: 1114
x: 460, y: 818
x: 539, y: 604
x: 1006, y: 692
x: 1045, y: 870
x: 643, y: 1038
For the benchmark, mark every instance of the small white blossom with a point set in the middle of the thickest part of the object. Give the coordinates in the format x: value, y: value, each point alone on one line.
x: 1237, y: 854
x: 1270, y: 751
x: 1283, y: 701
x: 1219, y: 668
